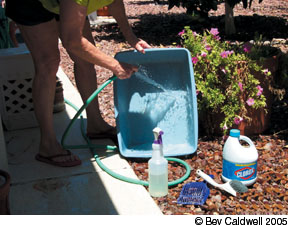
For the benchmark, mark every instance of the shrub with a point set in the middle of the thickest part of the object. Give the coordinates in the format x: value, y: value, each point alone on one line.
x: 224, y: 76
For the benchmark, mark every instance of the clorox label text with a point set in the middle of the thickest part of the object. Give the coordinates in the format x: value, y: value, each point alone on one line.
x: 239, y: 171
x: 245, y: 173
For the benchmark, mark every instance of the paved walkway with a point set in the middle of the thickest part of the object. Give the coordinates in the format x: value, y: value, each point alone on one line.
x: 38, y: 188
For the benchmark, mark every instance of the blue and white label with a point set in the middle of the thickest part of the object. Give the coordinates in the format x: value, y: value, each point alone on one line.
x: 239, y: 171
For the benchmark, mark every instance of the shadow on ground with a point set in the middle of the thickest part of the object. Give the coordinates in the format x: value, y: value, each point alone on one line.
x: 164, y: 28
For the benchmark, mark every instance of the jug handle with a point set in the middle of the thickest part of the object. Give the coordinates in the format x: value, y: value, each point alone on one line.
x: 247, y: 139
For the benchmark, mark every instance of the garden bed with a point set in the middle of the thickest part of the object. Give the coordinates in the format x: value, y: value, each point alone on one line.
x: 159, y: 27
x: 269, y: 195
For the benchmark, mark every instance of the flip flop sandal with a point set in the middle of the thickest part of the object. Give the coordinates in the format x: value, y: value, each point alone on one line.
x: 49, y: 160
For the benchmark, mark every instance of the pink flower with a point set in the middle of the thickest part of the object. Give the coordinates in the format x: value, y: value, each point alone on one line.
x: 240, y: 86
x: 238, y: 120
x: 247, y: 47
x: 214, y: 31
x: 208, y: 48
x: 260, y: 90
x: 223, y: 70
x: 225, y: 127
x: 203, y: 54
x: 265, y: 71
x: 181, y: 33
x: 197, y: 92
x: 224, y: 54
x: 217, y: 37
x: 195, y: 60
x: 250, y: 101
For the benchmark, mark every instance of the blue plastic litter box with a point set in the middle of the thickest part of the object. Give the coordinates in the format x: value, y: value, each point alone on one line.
x: 161, y: 94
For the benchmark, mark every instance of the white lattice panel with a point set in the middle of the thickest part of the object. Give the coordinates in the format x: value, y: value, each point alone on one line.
x: 16, y: 77
x: 17, y: 95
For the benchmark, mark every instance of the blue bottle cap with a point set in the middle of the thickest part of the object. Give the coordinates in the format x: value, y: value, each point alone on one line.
x: 235, y: 133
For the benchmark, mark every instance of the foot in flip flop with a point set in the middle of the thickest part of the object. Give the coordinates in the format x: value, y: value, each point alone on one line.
x: 55, y: 159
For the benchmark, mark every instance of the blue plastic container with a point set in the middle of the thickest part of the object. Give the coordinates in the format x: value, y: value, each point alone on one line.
x: 161, y: 94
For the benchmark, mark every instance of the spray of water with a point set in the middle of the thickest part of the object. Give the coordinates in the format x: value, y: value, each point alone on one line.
x: 143, y: 74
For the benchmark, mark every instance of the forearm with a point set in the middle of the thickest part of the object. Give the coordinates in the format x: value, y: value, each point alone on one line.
x: 117, y: 10
x: 87, y: 51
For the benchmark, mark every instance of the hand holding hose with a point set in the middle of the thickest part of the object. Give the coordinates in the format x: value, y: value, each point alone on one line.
x: 124, y: 70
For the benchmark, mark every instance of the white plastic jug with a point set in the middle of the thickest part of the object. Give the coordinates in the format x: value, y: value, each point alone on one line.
x: 239, y: 162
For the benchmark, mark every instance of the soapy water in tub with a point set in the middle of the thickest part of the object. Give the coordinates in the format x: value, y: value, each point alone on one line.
x: 168, y: 110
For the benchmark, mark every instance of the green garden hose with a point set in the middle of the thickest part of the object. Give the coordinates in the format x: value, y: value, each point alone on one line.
x: 93, y: 147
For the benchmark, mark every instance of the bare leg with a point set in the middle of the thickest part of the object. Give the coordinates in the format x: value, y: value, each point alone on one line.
x: 86, y: 80
x: 12, y: 32
x: 42, y: 41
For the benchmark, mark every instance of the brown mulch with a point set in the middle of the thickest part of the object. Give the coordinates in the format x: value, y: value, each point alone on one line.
x: 159, y: 27
x: 269, y: 195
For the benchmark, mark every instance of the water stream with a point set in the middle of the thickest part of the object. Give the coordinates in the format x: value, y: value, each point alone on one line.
x: 143, y: 74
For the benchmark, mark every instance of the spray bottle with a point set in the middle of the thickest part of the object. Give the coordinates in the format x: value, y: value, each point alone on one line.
x: 158, y: 167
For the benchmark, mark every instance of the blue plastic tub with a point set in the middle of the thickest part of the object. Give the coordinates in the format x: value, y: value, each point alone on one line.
x: 161, y: 94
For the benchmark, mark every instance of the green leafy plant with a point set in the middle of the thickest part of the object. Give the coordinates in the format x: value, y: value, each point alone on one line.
x: 224, y: 77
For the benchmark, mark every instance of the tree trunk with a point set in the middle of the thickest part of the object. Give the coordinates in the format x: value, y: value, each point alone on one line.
x: 229, y: 20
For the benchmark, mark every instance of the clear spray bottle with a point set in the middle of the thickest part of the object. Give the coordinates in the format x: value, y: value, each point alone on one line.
x: 158, y: 167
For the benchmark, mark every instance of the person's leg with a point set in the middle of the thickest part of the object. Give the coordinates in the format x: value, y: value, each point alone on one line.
x: 12, y: 32
x: 86, y: 81
x: 42, y: 41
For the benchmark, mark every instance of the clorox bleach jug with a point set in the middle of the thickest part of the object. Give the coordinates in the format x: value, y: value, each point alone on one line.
x: 239, y: 162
